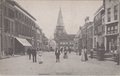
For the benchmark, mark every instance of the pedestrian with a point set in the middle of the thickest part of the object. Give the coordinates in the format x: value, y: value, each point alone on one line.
x: 118, y: 56
x: 34, y: 55
x: 85, y: 52
x: 83, y: 55
x: 65, y: 53
x: 69, y: 50
x: 91, y: 53
x: 29, y: 51
x: 57, y: 54
x: 40, y: 59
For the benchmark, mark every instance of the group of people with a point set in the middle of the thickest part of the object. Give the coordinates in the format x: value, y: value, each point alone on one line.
x: 84, y: 56
x: 58, y: 52
x: 35, y: 54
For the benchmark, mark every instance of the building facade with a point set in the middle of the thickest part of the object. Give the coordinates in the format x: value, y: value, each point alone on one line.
x: 112, y: 13
x: 87, y: 34
x: 99, y: 27
x: 18, y: 28
x: 78, y: 41
x: 84, y: 37
x: 90, y: 35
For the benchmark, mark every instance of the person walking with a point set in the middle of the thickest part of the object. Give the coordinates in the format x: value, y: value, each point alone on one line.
x: 118, y: 56
x: 40, y: 59
x: 65, y: 53
x: 91, y: 53
x: 85, y: 52
x: 29, y: 51
x: 83, y: 55
x: 57, y: 54
x: 34, y: 55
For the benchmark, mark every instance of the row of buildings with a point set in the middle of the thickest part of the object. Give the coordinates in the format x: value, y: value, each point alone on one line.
x: 18, y: 29
x: 103, y: 31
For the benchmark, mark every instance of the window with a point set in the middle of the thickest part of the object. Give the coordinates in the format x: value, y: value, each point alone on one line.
x: 112, y: 29
x: 116, y: 12
x: 109, y: 14
x: 6, y: 25
x: 116, y: 29
x: 10, y: 13
x: 5, y: 11
x: 108, y: 30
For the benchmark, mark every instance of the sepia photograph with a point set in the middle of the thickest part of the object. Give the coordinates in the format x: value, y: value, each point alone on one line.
x: 59, y: 37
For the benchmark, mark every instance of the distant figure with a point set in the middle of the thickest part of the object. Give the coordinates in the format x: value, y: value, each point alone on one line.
x: 79, y: 52
x: 61, y: 50
x: 86, y: 57
x: 118, y: 56
x: 29, y: 51
x: 10, y: 51
x: 34, y: 54
x: 57, y: 54
x: 65, y: 53
x: 83, y: 55
x: 40, y: 60
x: 91, y: 53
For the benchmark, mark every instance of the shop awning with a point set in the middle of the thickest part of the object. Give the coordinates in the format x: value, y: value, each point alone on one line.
x: 24, y: 42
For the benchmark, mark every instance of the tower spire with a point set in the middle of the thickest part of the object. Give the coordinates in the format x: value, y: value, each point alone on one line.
x: 60, y: 18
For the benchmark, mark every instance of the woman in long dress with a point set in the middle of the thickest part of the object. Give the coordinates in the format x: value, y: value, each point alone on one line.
x: 83, y: 55
x: 40, y: 59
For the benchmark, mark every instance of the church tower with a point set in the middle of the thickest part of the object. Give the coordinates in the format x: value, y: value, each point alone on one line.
x: 60, y: 30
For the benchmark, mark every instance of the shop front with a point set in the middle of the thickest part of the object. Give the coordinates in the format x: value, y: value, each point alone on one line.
x: 111, y: 43
x: 21, y: 46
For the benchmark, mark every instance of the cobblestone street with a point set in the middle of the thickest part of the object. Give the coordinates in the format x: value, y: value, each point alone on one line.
x: 71, y: 66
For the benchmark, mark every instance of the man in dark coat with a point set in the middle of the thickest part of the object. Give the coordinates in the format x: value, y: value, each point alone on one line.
x: 34, y: 54
x: 57, y: 53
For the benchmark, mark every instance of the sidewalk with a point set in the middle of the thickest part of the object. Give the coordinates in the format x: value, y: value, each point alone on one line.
x: 5, y: 57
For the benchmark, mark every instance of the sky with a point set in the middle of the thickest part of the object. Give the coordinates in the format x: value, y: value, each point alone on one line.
x: 74, y: 13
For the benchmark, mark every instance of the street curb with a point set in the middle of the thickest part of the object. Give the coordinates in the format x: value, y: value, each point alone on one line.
x: 10, y: 57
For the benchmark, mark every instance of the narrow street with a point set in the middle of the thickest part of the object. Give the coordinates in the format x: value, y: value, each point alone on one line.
x: 72, y: 66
